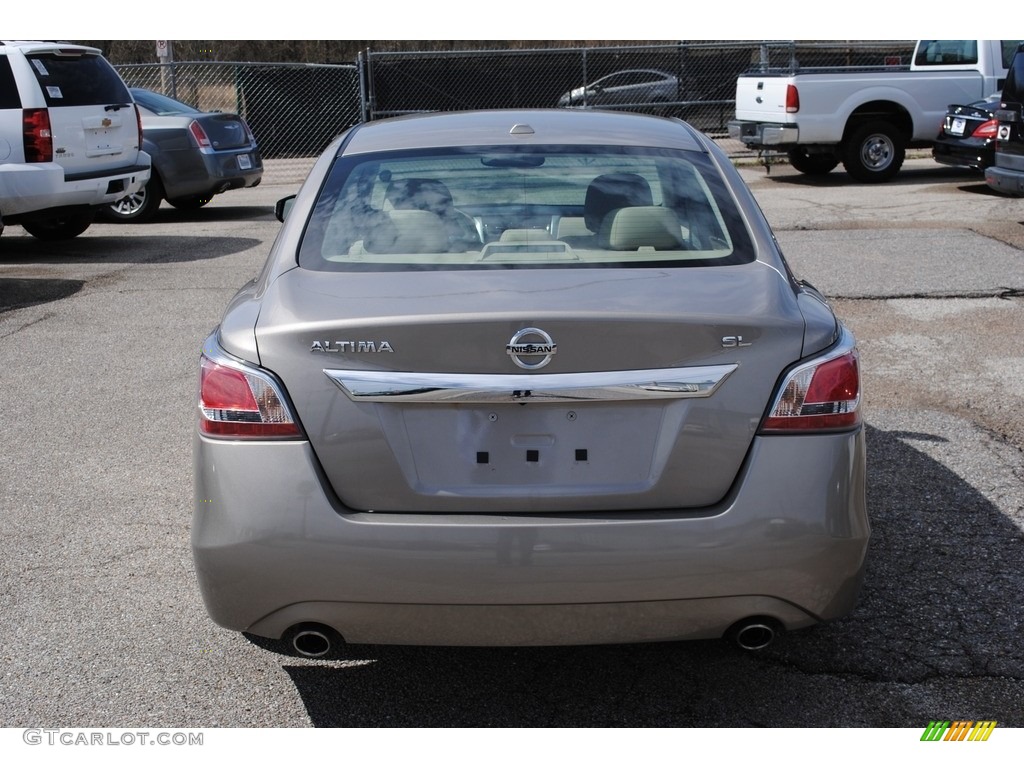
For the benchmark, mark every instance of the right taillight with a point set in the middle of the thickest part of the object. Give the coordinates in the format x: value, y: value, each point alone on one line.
x: 36, y: 134
x: 987, y: 130
x: 240, y: 402
x: 792, y: 99
x: 821, y: 395
x: 138, y: 124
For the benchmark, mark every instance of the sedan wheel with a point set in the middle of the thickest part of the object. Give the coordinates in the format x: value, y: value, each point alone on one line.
x: 138, y: 207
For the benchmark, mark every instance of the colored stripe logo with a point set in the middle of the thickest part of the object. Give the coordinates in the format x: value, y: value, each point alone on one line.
x: 958, y: 730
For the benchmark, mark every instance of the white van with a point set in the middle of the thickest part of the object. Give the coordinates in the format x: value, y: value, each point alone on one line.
x: 70, y: 138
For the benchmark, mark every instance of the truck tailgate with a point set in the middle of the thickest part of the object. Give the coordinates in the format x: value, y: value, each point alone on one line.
x: 762, y: 98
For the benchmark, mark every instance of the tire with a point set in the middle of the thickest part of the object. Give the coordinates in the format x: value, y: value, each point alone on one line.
x: 874, y: 151
x: 137, y: 208
x: 58, y: 226
x: 190, y: 203
x: 812, y: 164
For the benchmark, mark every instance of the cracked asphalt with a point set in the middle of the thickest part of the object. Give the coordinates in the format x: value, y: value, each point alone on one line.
x: 105, y: 628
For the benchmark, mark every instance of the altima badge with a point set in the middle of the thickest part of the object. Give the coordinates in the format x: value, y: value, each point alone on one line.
x: 351, y: 346
x: 544, y: 348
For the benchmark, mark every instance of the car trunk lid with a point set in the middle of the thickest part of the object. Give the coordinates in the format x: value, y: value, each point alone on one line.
x: 225, y: 131
x: 635, y: 389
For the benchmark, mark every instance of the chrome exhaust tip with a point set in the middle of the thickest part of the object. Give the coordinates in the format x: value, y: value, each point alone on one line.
x: 313, y: 641
x: 754, y: 634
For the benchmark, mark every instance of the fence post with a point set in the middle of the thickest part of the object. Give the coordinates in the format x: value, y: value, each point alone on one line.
x: 586, y: 81
x: 365, y: 80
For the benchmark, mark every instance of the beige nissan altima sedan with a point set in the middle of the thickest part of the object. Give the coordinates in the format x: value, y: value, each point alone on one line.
x: 527, y: 378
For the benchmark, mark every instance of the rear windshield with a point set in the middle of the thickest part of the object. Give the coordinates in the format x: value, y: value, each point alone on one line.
x: 524, y: 207
x: 162, y: 105
x: 9, y: 98
x: 78, y: 80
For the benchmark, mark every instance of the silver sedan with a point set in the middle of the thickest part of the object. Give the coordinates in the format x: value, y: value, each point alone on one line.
x: 527, y: 378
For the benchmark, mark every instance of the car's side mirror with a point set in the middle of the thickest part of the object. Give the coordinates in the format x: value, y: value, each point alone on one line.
x: 284, y: 207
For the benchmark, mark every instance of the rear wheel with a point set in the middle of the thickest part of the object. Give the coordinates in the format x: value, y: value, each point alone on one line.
x: 58, y: 226
x: 874, y: 151
x: 139, y: 207
x: 193, y: 203
x: 816, y: 164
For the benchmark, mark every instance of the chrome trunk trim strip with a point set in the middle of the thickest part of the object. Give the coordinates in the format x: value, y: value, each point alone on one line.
x: 656, y: 384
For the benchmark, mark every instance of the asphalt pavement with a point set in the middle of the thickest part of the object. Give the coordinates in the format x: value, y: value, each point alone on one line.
x: 99, y: 340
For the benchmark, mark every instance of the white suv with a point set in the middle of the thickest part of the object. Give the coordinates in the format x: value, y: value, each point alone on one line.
x: 70, y: 138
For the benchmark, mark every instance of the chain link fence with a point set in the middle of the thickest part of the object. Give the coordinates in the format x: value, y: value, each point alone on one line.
x: 295, y: 110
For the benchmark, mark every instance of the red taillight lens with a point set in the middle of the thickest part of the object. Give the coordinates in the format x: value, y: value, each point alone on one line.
x: 199, y: 135
x: 792, y: 99
x: 138, y: 123
x: 248, y: 132
x: 240, y: 403
x: 35, y: 128
x: 987, y: 130
x: 818, y: 396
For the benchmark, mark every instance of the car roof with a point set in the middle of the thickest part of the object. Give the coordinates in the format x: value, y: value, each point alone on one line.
x: 40, y: 46
x: 514, y: 127
x: 627, y: 71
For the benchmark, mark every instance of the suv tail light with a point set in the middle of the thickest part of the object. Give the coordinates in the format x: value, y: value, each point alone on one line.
x: 822, y: 395
x: 792, y: 99
x: 138, y: 122
x: 238, y: 401
x: 38, y: 140
x: 200, y: 135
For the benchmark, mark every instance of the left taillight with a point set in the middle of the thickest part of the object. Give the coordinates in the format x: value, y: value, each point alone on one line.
x: 36, y: 135
x: 238, y: 401
x: 819, y: 396
x: 200, y: 136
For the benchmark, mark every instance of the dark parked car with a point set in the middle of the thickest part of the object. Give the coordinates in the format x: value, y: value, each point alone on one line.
x: 1006, y: 174
x: 968, y: 133
x: 196, y: 155
x: 630, y: 87
x: 527, y: 377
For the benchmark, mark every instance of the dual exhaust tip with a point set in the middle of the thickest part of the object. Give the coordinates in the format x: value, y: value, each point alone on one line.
x: 318, y: 641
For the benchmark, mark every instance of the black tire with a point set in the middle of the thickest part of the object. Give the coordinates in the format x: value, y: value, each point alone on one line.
x: 816, y: 164
x: 137, y: 208
x: 58, y: 226
x: 874, y: 151
x: 193, y: 203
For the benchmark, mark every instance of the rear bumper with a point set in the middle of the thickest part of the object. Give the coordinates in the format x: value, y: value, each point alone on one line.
x: 978, y: 157
x: 29, y: 187
x: 1005, y: 180
x: 272, y: 549
x: 755, y: 134
x: 189, y: 173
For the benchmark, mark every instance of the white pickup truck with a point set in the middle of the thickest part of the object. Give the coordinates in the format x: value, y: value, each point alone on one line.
x: 864, y: 118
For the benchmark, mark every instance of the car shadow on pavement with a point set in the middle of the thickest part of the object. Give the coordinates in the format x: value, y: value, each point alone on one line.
x: 783, y: 174
x: 209, y: 213
x: 936, y: 634
x: 18, y: 292
x: 134, y: 247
